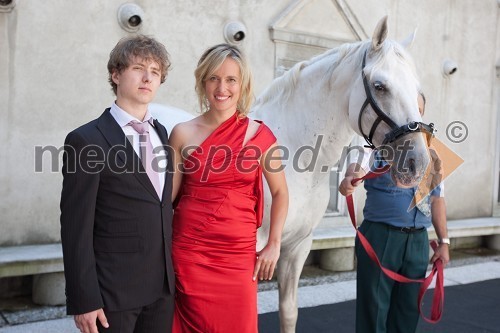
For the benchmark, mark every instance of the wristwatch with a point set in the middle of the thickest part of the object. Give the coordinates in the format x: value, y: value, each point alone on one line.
x: 444, y: 241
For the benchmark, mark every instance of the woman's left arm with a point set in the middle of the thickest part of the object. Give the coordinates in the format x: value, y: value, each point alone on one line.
x: 273, y: 172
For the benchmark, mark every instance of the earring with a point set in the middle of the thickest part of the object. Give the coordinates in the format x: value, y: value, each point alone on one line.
x: 206, y: 104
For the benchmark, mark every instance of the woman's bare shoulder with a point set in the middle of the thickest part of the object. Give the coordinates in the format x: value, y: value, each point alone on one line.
x: 187, y: 127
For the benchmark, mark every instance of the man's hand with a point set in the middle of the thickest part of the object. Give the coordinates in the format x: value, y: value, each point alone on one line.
x: 346, y: 188
x: 354, y: 170
x: 442, y: 253
x: 86, y: 322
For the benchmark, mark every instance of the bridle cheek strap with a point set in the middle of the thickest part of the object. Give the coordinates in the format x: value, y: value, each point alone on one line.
x: 397, y: 131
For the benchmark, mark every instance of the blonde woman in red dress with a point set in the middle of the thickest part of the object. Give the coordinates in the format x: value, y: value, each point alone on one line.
x: 221, y: 156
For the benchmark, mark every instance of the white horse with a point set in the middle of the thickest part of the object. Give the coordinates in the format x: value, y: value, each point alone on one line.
x: 369, y: 88
x: 168, y: 115
x: 328, y: 98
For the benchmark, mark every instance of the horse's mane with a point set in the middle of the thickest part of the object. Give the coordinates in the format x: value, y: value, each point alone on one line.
x: 282, y: 87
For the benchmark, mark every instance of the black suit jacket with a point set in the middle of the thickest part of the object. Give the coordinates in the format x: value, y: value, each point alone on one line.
x: 116, y: 233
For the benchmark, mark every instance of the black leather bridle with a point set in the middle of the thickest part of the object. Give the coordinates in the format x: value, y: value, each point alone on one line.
x: 397, y: 131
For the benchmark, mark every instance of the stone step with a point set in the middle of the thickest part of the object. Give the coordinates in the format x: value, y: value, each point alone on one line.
x: 339, y: 236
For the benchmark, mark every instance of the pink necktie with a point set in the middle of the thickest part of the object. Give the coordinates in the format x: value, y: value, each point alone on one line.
x: 147, y: 156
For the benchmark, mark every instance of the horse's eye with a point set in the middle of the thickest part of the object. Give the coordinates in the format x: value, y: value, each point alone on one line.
x: 378, y: 86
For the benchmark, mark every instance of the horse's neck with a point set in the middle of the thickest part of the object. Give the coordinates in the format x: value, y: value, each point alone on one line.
x: 315, y: 112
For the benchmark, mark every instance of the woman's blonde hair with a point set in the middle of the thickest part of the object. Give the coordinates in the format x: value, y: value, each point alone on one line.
x: 210, y: 61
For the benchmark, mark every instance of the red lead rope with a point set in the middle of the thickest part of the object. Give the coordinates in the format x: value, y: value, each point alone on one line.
x: 437, y: 268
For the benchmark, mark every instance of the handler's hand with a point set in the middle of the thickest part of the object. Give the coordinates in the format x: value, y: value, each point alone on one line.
x: 266, y: 261
x: 442, y: 252
x: 86, y: 322
x: 346, y: 188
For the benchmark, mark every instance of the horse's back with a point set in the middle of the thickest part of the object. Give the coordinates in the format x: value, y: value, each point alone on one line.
x: 169, y: 116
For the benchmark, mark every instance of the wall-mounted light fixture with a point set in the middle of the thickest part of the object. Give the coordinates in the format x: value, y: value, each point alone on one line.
x: 130, y: 17
x: 7, y: 6
x: 450, y: 67
x: 235, y: 32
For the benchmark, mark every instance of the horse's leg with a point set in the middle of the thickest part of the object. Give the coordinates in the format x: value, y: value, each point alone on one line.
x: 289, y: 268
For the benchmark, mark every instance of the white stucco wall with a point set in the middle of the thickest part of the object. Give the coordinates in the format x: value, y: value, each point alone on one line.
x: 53, y: 78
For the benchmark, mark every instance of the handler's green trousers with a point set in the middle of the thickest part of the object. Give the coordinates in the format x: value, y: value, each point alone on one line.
x: 382, y: 304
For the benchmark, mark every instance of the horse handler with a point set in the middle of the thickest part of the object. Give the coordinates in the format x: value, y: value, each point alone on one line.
x: 397, y: 231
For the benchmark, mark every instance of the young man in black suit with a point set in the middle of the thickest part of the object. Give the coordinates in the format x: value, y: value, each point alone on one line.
x: 115, y: 213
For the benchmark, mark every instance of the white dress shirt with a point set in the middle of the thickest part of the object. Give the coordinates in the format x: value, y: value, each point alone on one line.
x: 123, y: 119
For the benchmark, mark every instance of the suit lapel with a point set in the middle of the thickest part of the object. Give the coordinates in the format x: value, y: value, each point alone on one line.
x: 121, y: 146
x: 162, y: 133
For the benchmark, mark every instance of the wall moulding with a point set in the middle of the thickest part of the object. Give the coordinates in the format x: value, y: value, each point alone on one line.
x: 309, y: 27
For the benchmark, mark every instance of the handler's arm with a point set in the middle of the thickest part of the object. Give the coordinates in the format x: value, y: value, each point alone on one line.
x: 353, y: 171
x: 438, y: 210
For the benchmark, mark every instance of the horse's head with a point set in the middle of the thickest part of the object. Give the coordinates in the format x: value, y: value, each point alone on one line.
x: 384, y: 108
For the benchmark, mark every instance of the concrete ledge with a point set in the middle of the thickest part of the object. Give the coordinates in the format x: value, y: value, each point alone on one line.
x: 471, y: 227
x: 47, y: 258
x: 336, y: 242
x: 333, y: 237
x: 30, y: 260
x: 343, y: 236
x: 45, y: 262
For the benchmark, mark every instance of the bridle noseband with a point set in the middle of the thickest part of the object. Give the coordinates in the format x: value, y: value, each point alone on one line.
x: 397, y: 131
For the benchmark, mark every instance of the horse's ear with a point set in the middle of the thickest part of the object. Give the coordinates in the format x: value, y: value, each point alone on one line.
x: 380, y: 33
x: 408, y: 41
